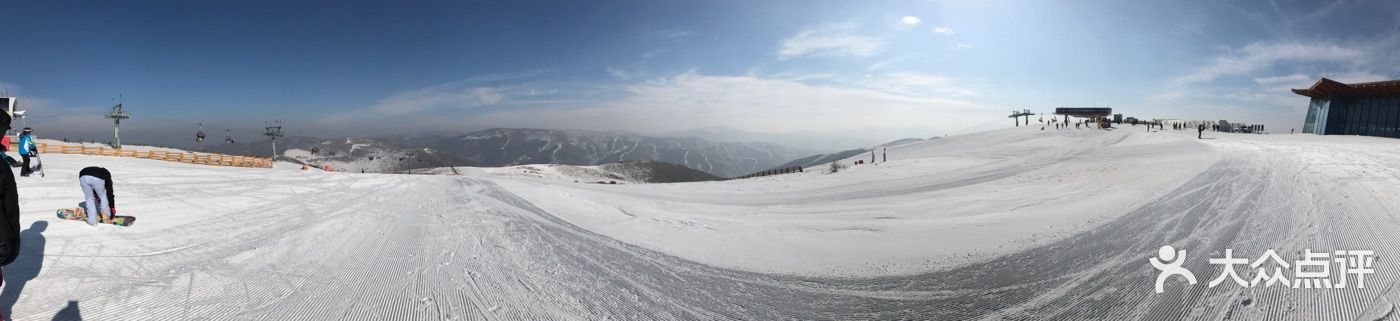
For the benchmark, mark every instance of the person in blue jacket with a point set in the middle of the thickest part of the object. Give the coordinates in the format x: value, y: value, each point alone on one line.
x: 26, y: 149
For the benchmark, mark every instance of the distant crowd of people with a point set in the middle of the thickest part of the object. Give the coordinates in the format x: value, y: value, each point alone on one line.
x: 1103, y: 123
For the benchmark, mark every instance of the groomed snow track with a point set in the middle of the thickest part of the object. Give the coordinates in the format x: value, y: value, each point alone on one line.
x: 282, y: 245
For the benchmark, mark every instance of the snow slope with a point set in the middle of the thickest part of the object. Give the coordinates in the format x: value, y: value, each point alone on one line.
x: 1009, y: 224
x: 933, y: 205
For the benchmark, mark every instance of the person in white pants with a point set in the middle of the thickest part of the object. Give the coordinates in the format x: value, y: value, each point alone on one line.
x: 95, y: 191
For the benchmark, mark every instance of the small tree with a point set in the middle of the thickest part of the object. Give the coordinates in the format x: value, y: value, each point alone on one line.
x: 835, y: 167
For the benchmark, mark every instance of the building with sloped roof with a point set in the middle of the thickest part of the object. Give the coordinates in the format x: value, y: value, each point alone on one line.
x: 1368, y: 109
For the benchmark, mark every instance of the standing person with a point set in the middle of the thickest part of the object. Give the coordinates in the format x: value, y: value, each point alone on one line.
x: 97, y: 191
x: 9, y: 210
x: 1199, y: 130
x: 26, y: 149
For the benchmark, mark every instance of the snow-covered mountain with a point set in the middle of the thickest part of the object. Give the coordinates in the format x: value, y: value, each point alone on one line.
x: 829, y: 140
x: 350, y: 154
x: 628, y: 172
x: 512, y: 146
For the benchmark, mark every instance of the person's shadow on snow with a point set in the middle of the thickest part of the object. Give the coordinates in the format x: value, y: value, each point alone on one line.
x: 69, y: 313
x: 25, y: 267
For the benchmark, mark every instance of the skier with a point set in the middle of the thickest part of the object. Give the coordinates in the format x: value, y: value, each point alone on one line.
x: 97, y: 190
x: 9, y: 210
x: 1200, y: 129
x: 26, y: 149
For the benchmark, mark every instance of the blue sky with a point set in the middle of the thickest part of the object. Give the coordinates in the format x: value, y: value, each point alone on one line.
x: 385, y: 68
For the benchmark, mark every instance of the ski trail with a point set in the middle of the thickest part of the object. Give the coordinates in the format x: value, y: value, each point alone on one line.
x: 408, y: 247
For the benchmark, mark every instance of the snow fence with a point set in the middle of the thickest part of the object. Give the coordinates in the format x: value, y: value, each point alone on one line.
x: 182, y: 157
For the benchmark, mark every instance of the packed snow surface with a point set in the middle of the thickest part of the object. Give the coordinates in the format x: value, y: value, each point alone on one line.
x: 1009, y: 224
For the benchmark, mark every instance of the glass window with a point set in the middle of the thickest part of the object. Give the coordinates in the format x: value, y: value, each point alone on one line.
x: 1354, y: 118
x: 1353, y: 121
x: 1363, y: 119
x: 1311, y: 120
x: 1336, y: 114
x: 1392, y: 119
x: 1382, y: 118
x: 1385, y: 120
x: 1369, y: 118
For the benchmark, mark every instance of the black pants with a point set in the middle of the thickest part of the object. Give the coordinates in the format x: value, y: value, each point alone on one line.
x: 25, y: 171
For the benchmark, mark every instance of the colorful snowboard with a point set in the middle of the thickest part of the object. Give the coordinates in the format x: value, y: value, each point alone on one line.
x: 77, y: 214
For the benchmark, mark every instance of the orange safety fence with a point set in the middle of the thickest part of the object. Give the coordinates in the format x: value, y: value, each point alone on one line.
x: 191, y: 158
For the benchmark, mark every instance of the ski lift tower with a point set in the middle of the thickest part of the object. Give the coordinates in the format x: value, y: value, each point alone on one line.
x: 274, y: 132
x: 1024, y: 113
x: 117, y: 115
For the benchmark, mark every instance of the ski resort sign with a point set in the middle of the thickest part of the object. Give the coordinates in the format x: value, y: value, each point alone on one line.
x: 1313, y: 271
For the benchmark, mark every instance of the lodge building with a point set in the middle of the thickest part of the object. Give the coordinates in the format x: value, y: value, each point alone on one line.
x: 1368, y: 109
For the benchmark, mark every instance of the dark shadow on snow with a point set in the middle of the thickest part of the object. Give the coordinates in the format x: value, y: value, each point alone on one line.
x: 69, y: 313
x: 25, y: 267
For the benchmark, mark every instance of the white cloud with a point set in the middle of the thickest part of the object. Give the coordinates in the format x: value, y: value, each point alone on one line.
x: 619, y: 73
x: 1356, y: 77
x: 963, y: 45
x: 452, y: 95
x: 829, y: 40
x: 943, y: 30
x: 758, y: 103
x: 1269, y: 98
x: 1283, y: 80
x: 1167, y: 96
x: 878, y: 65
x: 910, y: 21
x: 916, y: 84
x: 653, y: 53
x: 1259, y: 56
x: 672, y: 34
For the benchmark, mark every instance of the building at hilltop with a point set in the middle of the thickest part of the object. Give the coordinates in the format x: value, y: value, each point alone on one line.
x: 1369, y: 109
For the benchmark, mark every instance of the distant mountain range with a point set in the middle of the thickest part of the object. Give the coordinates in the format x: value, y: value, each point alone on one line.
x: 352, y: 154
x: 817, y: 141
x: 506, y: 147
x: 516, y: 146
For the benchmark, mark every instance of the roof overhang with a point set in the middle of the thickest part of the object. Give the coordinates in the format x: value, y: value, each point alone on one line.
x: 1084, y: 111
x: 1327, y: 88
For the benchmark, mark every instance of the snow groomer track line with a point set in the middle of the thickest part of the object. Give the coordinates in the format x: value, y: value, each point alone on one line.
x: 1016, y: 224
